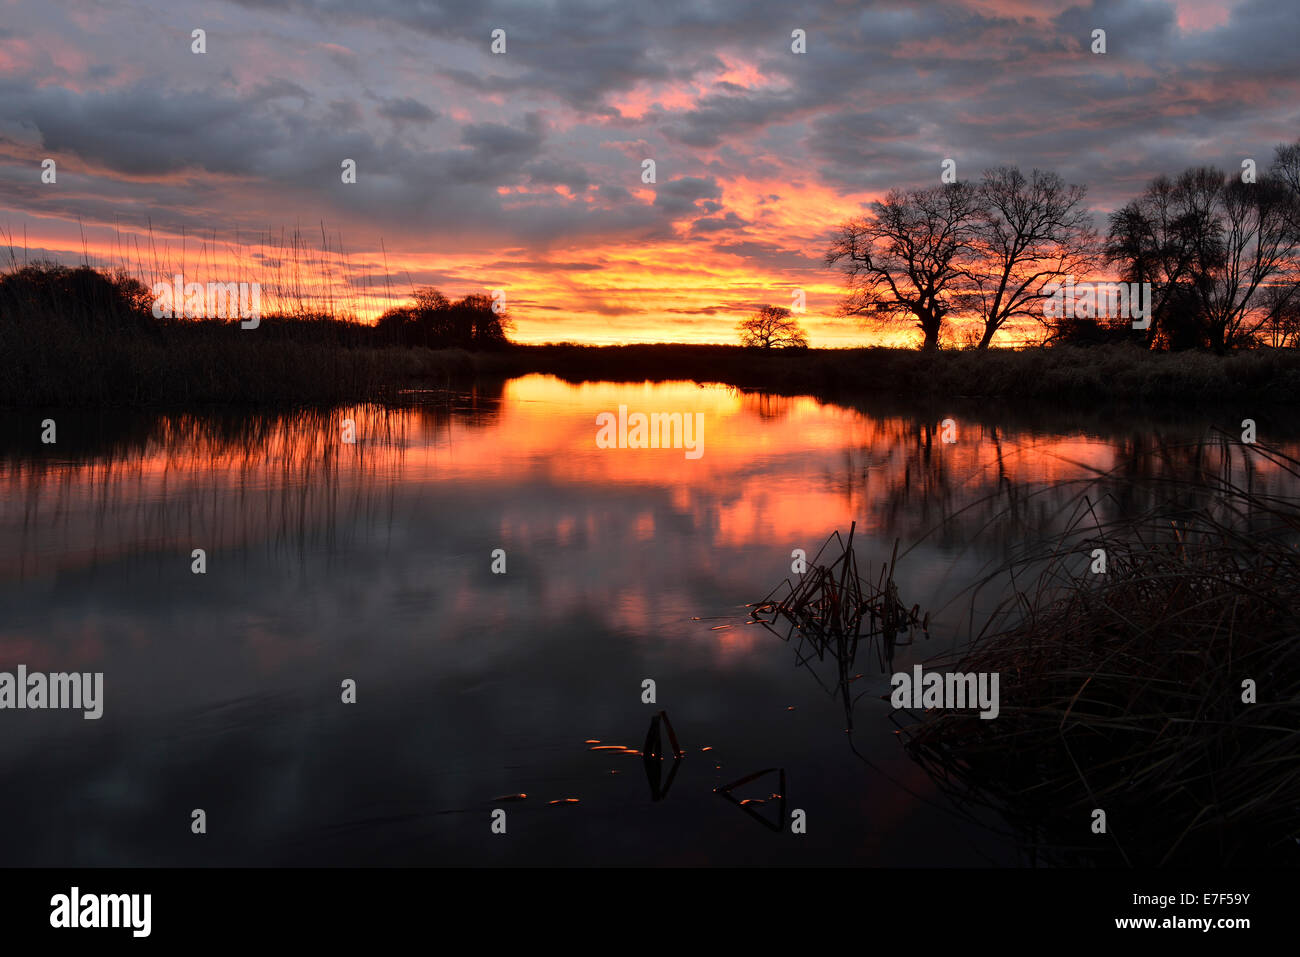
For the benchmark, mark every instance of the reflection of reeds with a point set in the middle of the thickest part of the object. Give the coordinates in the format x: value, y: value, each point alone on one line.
x: 747, y: 804
x: 221, y: 480
x: 1123, y: 690
x: 832, y: 609
x: 652, y: 753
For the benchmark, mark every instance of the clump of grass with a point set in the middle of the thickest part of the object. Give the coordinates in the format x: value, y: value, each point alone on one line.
x: 1123, y: 691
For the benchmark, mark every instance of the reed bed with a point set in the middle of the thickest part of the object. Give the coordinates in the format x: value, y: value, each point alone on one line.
x: 87, y: 336
x: 1123, y: 691
x: 75, y: 370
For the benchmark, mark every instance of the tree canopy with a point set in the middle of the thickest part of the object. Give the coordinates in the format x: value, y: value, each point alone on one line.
x: 772, y: 327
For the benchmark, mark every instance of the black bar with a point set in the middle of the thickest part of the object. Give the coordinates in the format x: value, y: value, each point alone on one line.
x: 928, y: 907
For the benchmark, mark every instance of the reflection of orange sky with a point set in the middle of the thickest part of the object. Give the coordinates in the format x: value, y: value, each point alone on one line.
x: 774, y: 470
x: 626, y: 536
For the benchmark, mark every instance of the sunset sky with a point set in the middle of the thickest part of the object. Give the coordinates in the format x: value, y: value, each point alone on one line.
x: 522, y: 171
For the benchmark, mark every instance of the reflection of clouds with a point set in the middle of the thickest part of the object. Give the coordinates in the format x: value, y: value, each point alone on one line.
x: 373, y: 563
x: 316, y: 545
x: 448, y: 483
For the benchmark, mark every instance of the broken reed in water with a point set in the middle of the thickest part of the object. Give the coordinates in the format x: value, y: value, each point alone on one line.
x: 833, y: 608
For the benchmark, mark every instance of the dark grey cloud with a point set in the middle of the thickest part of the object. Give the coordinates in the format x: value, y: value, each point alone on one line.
x: 404, y: 109
x: 553, y: 172
x: 680, y: 195
x: 1129, y: 24
x: 487, y: 138
x: 718, y: 224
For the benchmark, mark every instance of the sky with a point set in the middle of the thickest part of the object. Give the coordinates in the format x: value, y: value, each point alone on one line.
x: 522, y: 171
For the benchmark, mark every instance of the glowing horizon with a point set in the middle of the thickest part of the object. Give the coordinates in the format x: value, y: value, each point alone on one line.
x: 523, y: 171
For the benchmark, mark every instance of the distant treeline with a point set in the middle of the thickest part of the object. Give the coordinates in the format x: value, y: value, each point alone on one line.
x: 79, y: 336
x: 433, y: 321
x: 75, y: 336
x: 56, y: 299
x: 1218, y: 253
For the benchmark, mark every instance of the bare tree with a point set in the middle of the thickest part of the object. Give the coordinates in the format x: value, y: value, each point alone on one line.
x: 1213, y: 246
x: 1257, y: 243
x: 1286, y: 165
x: 1281, y: 328
x: 772, y: 326
x: 1153, y: 240
x: 1028, y: 232
x: 1283, y: 298
x: 903, y: 261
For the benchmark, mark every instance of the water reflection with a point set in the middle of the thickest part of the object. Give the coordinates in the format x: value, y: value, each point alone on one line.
x: 373, y: 561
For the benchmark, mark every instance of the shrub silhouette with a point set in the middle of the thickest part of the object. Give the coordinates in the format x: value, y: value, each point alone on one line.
x: 435, y: 322
x: 84, y: 297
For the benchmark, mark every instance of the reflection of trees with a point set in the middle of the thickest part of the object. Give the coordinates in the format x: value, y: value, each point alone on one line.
x: 476, y: 406
x: 766, y: 405
x: 999, y: 484
x: 1200, y: 535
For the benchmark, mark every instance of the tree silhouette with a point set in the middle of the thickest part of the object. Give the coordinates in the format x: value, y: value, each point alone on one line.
x: 772, y: 326
x: 1029, y: 231
x: 906, y: 259
x: 1223, y: 255
x: 434, y: 321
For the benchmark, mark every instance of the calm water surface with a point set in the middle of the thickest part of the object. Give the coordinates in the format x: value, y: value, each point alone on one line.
x: 372, y: 562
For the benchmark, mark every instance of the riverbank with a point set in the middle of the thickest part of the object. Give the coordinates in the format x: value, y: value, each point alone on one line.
x: 285, y: 363
x: 1100, y: 374
x: 1160, y: 689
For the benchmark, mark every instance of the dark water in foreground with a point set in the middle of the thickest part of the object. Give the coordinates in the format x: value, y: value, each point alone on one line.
x: 372, y: 562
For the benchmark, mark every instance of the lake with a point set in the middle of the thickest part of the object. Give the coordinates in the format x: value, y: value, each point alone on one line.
x: 372, y: 562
